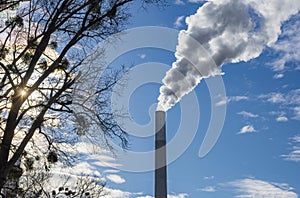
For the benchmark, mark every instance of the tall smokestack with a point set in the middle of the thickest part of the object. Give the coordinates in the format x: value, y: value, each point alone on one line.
x: 160, y: 155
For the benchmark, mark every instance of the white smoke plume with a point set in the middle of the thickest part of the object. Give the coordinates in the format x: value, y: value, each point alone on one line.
x: 222, y: 31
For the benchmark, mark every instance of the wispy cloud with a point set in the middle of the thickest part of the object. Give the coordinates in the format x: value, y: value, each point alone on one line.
x: 288, y: 46
x: 91, y: 159
x: 246, y: 188
x: 221, y: 102
x: 278, y: 76
x: 294, y: 154
x: 142, y: 56
x: 115, y: 178
x: 181, y: 195
x: 209, y: 189
x: 248, y: 114
x: 209, y: 177
x: 282, y: 119
x: 226, y: 100
x: 290, y: 98
x: 293, y: 97
x: 116, y: 193
x: 274, y: 97
x: 111, y: 171
x: 178, y: 22
x: 288, y: 101
x: 179, y: 2
x: 238, y: 98
x: 297, y: 113
x: 196, y: 1
x: 247, y: 129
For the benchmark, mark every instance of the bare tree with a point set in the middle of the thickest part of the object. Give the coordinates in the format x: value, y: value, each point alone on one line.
x: 42, y: 43
x: 33, y: 184
x: 85, y: 187
x: 9, y: 4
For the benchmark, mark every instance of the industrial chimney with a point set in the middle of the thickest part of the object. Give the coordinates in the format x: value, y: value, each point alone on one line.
x: 160, y: 155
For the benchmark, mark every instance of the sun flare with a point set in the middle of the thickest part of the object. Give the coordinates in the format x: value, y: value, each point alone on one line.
x: 23, y: 92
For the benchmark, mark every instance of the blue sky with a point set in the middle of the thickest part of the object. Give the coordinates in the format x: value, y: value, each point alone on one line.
x: 258, y: 151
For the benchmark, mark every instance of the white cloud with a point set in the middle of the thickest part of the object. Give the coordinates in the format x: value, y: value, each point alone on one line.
x: 282, y: 119
x: 221, y: 102
x: 254, y: 188
x: 90, y: 159
x: 274, y: 98
x: 293, y: 97
x: 111, y: 171
x: 179, y: 2
x: 297, y: 113
x: 209, y: 177
x: 294, y: 154
x: 288, y: 101
x: 115, y: 178
x: 288, y: 46
x: 278, y: 76
x: 178, y: 22
x: 290, y: 98
x: 296, y: 138
x: 181, y: 195
x: 208, y: 189
x: 238, y: 98
x: 116, y: 193
x: 247, y: 114
x: 247, y: 129
x: 196, y: 1
x: 228, y: 99
x: 142, y: 56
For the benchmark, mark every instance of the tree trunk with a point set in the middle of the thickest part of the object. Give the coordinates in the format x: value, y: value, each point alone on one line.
x: 10, y: 184
x: 7, y: 140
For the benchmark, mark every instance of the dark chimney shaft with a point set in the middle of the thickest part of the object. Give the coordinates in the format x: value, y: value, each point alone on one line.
x: 160, y: 155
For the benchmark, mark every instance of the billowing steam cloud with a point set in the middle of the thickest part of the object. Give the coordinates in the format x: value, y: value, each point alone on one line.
x: 222, y: 31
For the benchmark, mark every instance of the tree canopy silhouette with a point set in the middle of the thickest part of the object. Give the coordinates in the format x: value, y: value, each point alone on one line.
x: 42, y: 43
